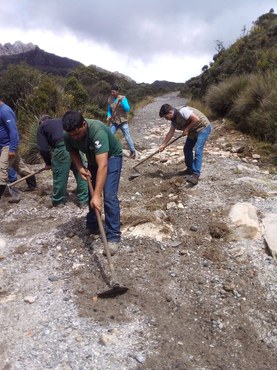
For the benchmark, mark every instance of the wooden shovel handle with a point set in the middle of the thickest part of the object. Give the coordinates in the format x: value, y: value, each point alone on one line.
x: 101, y: 228
x: 157, y: 151
x: 26, y: 177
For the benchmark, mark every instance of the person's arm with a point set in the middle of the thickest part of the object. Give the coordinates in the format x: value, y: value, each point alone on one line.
x: 193, y: 121
x: 167, y: 138
x: 102, y: 163
x: 125, y: 104
x: 109, y: 113
x: 77, y: 161
x: 43, y: 147
x: 191, y: 118
x: 10, y: 122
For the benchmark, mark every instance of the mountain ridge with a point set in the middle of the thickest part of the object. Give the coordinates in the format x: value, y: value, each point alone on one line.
x: 16, y: 48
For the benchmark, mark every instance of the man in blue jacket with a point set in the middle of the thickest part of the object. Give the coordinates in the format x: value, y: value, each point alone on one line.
x: 9, y: 155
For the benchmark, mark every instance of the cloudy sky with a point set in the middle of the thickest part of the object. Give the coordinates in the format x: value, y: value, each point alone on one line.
x: 147, y: 40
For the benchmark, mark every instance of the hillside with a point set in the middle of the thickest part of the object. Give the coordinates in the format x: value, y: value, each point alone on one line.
x: 41, y: 60
x: 254, y: 52
x: 35, y: 82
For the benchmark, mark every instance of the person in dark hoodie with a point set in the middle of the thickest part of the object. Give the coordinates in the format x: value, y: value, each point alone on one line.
x: 196, y: 126
x: 9, y: 149
x: 50, y: 141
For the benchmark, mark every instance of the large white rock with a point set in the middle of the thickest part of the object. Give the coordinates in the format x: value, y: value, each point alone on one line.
x: 3, y: 250
x: 157, y: 232
x: 270, y: 232
x: 244, y: 217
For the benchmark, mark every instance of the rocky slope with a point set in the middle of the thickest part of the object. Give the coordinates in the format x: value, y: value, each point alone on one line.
x: 202, y: 285
x: 16, y: 48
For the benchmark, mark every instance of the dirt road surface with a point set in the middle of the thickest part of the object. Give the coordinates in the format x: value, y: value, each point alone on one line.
x: 201, y: 295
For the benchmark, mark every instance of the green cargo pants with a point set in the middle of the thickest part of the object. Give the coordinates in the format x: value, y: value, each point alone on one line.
x: 61, y: 165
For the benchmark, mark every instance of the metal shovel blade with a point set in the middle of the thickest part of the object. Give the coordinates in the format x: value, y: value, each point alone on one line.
x: 14, y: 193
x: 133, y: 176
x: 113, y: 292
x: 137, y: 174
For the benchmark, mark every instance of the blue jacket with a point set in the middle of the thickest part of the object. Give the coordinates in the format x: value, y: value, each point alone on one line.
x: 8, y: 130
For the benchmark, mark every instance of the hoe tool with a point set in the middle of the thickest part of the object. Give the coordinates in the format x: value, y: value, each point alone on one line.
x: 15, y: 192
x: 136, y: 173
x: 115, y: 288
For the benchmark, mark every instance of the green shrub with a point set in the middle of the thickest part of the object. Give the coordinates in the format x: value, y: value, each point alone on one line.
x: 255, y: 109
x: 220, y: 98
x: 28, y: 145
x: 202, y: 107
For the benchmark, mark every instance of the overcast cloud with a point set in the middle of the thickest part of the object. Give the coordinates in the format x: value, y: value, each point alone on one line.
x: 144, y: 39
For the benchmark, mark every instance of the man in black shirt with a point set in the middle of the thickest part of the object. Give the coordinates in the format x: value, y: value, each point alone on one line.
x: 52, y: 149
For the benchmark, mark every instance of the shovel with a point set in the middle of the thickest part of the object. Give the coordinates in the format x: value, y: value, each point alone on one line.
x: 15, y: 192
x: 136, y: 173
x: 115, y: 287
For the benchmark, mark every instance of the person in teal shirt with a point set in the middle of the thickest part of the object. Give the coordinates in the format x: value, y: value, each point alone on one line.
x: 118, y: 108
x: 104, y: 157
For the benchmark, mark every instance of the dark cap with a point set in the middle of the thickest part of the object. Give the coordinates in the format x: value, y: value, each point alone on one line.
x: 44, y: 118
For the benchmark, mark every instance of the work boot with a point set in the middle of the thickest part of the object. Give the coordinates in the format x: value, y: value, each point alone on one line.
x: 32, y: 183
x: 113, y: 247
x: 2, y: 189
x: 193, y: 179
x: 93, y: 234
x: 60, y: 205
x: 83, y: 205
x: 186, y: 172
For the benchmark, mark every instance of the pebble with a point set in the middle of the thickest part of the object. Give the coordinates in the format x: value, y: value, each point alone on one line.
x: 174, y: 243
x: 229, y: 287
x: 53, y: 278
x: 140, y: 357
x: 30, y: 299
x: 183, y: 252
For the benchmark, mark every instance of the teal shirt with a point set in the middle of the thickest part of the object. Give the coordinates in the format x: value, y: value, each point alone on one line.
x: 99, y: 139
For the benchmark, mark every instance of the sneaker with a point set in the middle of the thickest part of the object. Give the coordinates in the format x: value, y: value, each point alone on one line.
x: 193, y: 179
x: 113, y: 247
x: 133, y: 155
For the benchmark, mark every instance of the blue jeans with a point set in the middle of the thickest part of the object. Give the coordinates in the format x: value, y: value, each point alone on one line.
x: 195, y: 163
x: 12, y: 176
x: 111, y: 202
x: 125, y: 130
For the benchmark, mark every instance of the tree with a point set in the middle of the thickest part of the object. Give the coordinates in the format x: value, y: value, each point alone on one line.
x: 76, y: 94
x: 219, y: 46
x: 18, y: 82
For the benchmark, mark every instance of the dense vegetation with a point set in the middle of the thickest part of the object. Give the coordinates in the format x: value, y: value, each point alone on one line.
x: 241, y: 82
x: 32, y: 92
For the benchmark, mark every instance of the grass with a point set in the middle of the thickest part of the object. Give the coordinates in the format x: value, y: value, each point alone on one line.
x: 202, y: 107
x: 139, y: 105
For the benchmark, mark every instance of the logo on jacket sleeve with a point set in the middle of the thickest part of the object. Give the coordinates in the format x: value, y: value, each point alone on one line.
x: 97, y: 144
